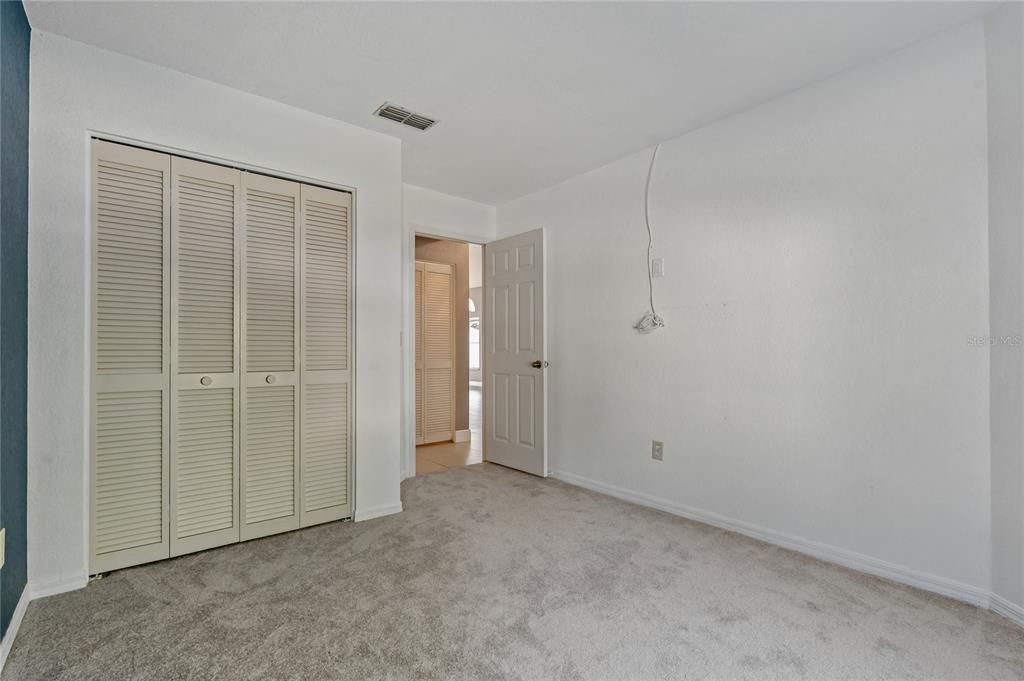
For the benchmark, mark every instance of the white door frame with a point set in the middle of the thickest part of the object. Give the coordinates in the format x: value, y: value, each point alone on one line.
x: 407, y: 460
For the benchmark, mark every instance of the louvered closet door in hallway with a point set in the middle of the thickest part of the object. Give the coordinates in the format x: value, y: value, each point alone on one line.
x: 325, y: 375
x: 131, y: 363
x: 419, y: 352
x: 270, y: 341
x: 436, y: 387
x: 205, y: 206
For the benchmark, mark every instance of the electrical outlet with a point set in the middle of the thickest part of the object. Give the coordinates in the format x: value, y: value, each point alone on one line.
x: 658, y: 267
x: 657, y: 450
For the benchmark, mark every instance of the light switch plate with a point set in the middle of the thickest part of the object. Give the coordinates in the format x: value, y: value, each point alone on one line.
x: 657, y: 450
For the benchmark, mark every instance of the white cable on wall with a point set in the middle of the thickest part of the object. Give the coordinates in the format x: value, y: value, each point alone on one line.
x: 650, y: 322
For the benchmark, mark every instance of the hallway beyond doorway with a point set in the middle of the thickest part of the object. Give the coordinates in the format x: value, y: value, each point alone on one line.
x: 445, y: 455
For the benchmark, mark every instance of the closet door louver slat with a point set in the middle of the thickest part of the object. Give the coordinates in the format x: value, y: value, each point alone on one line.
x: 204, y: 343
x: 270, y: 304
x: 325, y: 377
x: 419, y: 352
x: 130, y: 445
x: 222, y: 356
x: 438, y: 374
x: 325, y: 447
x: 203, y: 452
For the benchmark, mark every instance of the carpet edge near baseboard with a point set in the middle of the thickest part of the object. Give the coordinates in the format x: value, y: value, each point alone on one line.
x: 377, y: 511
x: 31, y: 592
x: 926, y: 581
x: 12, y: 628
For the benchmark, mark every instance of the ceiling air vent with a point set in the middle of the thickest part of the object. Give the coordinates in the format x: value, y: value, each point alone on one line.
x: 404, y: 116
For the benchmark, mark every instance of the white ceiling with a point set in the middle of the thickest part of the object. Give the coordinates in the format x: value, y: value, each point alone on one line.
x: 527, y: 94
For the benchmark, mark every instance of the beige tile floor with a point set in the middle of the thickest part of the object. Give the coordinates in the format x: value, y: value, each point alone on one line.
x: 446, y: 455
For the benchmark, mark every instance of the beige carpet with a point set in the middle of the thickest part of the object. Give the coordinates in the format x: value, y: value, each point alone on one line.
x: 491, y: 574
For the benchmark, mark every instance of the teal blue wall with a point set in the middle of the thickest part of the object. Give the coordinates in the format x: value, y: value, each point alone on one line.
x: 14, y: 44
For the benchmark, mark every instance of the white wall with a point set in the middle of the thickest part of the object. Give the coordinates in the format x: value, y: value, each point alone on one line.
x: 476, y: 293
x: 77, y: 89
x: 476, y: 266
x: 432, y: 213
x: 826, y: 257
x: 435, y: 214
x: 1005, y: 79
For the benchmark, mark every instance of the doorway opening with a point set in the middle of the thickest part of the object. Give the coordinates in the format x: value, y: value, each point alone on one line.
x: 448, y: 310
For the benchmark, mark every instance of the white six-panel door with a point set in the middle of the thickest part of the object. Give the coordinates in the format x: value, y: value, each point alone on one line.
x: 222, y: 356
x: 514, y: 361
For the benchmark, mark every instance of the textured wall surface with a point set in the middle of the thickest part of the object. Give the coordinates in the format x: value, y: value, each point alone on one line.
x: 14, y: 79
x: 1004, y: 31
x: 826, y: 269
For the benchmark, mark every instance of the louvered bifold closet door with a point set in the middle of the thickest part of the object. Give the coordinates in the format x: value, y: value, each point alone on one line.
x: 270, y: 342
x: 438, y: 353
x: 204, y: 344
x: 419, y: 352
x: 325, y: 376
x: 131, y: 363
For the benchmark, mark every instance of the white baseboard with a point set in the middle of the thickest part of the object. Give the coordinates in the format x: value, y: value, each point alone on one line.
x: 12, y: 628
x: 57, y: 586
x: 462, y: 435
x: 1007, y: 609
x: 377, y: 511
x: 826, y: 552
x: 31, y: 592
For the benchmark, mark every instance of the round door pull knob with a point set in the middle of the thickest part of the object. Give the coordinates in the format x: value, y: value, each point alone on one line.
x: 206, y: 380
x: 271, y: 379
